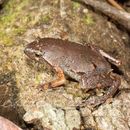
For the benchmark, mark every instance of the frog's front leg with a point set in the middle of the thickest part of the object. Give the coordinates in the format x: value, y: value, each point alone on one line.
x: 57, y: 82
x: 110, y: 80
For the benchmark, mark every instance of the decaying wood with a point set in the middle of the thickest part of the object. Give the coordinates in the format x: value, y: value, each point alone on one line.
x: 119, y: 16
x: 115, y: 4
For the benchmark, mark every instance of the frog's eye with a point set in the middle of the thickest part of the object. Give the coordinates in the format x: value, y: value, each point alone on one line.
x: 37, y: 55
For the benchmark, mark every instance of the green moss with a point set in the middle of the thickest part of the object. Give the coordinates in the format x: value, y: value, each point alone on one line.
x: 38, y: 79
x: 88, y: 19
x: 12, y: 15
x: 75, y: 5
x: 6, y: 39
x: 46, y: 19
x: 17, y: 18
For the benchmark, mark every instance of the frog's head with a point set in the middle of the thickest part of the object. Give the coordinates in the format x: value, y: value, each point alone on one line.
x: 34, y: 51
x: 41, y: 49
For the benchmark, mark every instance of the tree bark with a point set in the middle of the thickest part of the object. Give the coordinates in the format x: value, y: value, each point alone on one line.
x: 119, y: 16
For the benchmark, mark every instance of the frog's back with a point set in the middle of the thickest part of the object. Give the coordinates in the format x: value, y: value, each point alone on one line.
x: 72, y: 56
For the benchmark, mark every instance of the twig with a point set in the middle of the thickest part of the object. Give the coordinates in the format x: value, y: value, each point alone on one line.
x: 119, y: 16
x: 115, y: 4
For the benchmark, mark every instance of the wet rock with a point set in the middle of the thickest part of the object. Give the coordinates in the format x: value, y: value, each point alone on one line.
x: 115, y: 115
x: 52, y: 117
x: 7, y: 125
x: 73, y: 119
x: 88, y: 119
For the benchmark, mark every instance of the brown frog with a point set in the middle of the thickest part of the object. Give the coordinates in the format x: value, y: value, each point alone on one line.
x: 86, y: 64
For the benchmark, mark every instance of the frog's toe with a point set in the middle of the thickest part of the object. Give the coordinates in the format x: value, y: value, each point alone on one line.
x: 92, y: 102
x: 44, y: 86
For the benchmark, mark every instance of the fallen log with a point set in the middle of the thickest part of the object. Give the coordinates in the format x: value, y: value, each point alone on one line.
x: 119, y: 16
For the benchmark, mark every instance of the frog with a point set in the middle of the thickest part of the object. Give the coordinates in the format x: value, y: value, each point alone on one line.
x: 87, y: 64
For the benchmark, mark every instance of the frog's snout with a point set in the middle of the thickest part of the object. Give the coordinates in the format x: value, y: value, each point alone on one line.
x: 25, y: 50
x: 28, y: 51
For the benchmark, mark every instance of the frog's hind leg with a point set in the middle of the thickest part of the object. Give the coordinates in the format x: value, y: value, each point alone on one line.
x: 57, y: 82
x: 111, y: 80
x: 112, y: 89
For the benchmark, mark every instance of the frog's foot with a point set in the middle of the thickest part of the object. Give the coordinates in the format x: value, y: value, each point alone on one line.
x: 55, y: 83
x: 93, y: 101
x: 112, y: 81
